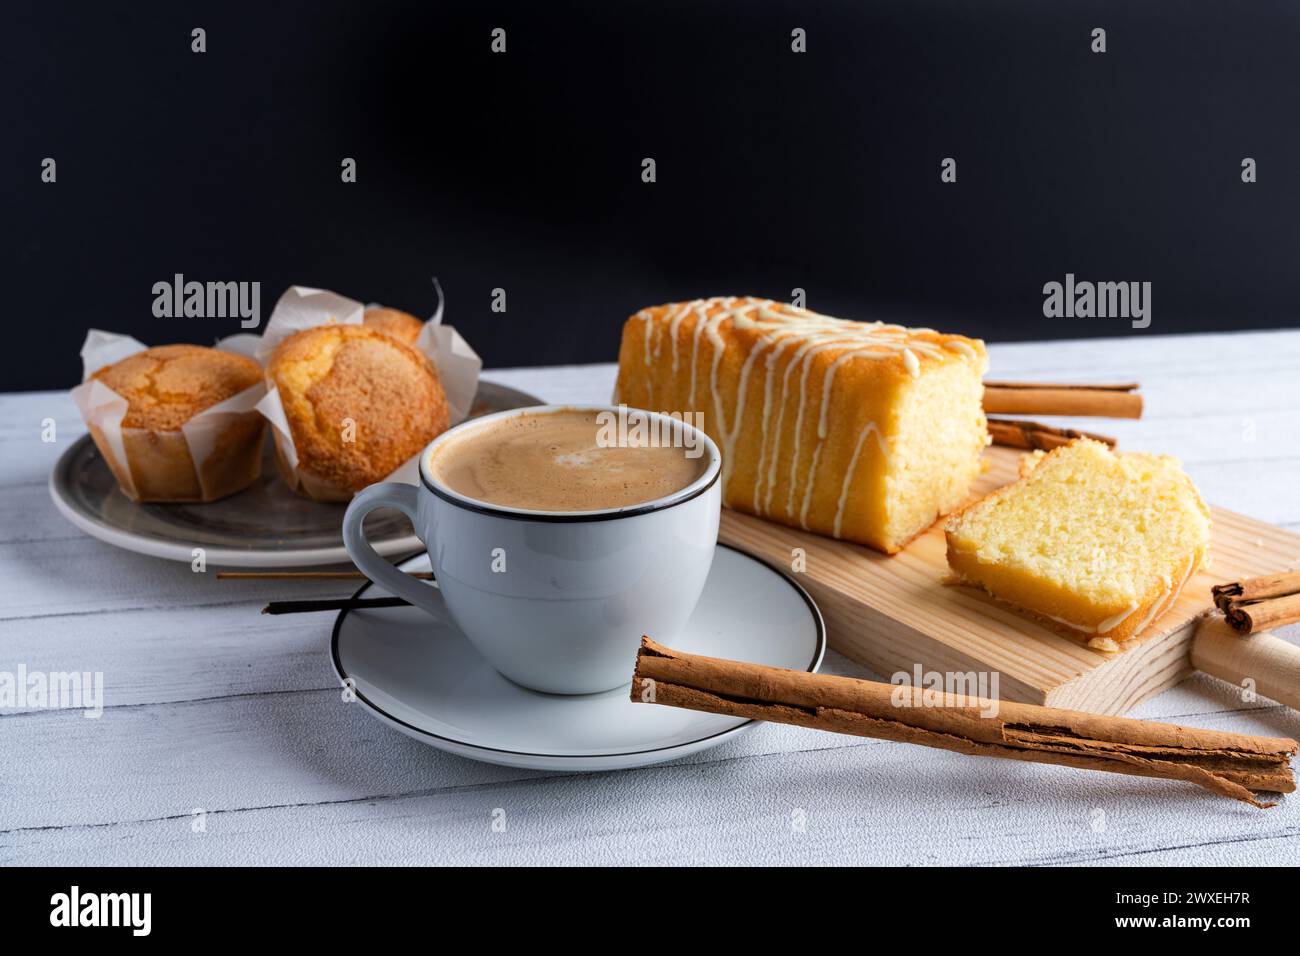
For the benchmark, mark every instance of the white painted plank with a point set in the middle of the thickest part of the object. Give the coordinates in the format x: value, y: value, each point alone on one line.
x: 865, y: 803
x: 264, y: 742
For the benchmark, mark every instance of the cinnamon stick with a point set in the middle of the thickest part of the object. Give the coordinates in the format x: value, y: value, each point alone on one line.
x: 1043, y: 398
x: 1260, y: 604
x: 1021, y: 433
x: 1232, y: 765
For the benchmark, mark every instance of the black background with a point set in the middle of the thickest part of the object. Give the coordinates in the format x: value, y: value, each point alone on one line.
x: 775, y: 170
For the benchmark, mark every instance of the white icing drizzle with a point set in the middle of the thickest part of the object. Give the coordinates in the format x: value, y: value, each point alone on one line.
x: 798, y: 424
x: 672, y: 332
x: 1159, y: 607
x: 808, y: 487
x: 649, y: 381
x: 871, y: 429
x: 810, y: 343
x: 791, y: 337
x: 649, y: 330
x: 695, y: 349
x: 829, y: 379
x: 910, y: 360
x: 742, y: 392
x: 719, y: 346
x: 1107, y: 625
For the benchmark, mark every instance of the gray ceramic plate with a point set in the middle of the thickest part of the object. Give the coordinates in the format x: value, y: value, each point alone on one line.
x: 264, y: 526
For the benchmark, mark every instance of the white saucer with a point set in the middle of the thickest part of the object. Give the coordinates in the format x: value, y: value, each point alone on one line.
x: 423, y: 678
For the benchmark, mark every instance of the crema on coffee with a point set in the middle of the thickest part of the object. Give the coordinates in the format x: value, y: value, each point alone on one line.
x: 559, y: 461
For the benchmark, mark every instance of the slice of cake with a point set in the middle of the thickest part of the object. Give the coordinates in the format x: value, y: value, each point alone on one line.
x: 858, y: 430
x: 1095, y: 543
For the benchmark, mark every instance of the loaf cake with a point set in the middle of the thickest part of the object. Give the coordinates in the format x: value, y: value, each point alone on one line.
x: 858, y: 430
x: 359, y: 403
x: 164, y: 389
x: 1097, y: 544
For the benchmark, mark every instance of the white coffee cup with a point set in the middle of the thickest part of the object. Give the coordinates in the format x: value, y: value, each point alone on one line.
x: 555, y: 600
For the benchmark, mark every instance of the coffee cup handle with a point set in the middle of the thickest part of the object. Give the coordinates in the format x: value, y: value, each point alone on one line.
x: 406, y: 499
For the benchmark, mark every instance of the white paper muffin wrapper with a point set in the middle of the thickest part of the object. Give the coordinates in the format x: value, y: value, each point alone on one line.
x: 104, y: 409
x: 301, y: 308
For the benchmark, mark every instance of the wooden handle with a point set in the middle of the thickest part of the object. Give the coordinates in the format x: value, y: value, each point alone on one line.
x: 1272, y: 663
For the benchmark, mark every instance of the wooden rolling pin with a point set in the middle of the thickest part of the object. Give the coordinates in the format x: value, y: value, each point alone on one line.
x: 1272, y: 664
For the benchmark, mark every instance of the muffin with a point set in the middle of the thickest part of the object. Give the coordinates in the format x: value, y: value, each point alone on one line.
x: 358, y: 402
x: 400, y: 325
x: 165, y: 388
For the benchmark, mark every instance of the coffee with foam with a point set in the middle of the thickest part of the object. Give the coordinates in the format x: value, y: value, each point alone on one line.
x: 561, y: 460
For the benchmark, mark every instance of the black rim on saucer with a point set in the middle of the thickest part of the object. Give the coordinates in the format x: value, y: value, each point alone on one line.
x: 819, y: 652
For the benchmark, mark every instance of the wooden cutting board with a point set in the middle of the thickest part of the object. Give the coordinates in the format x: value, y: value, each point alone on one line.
x: 893, y: 613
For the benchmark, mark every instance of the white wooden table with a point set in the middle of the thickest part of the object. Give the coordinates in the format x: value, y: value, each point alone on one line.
x: 212, y: 707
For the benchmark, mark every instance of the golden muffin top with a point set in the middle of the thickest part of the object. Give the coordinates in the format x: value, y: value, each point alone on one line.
x: 400, y: 325
x: 359, y: 402
x: 167, y: 385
